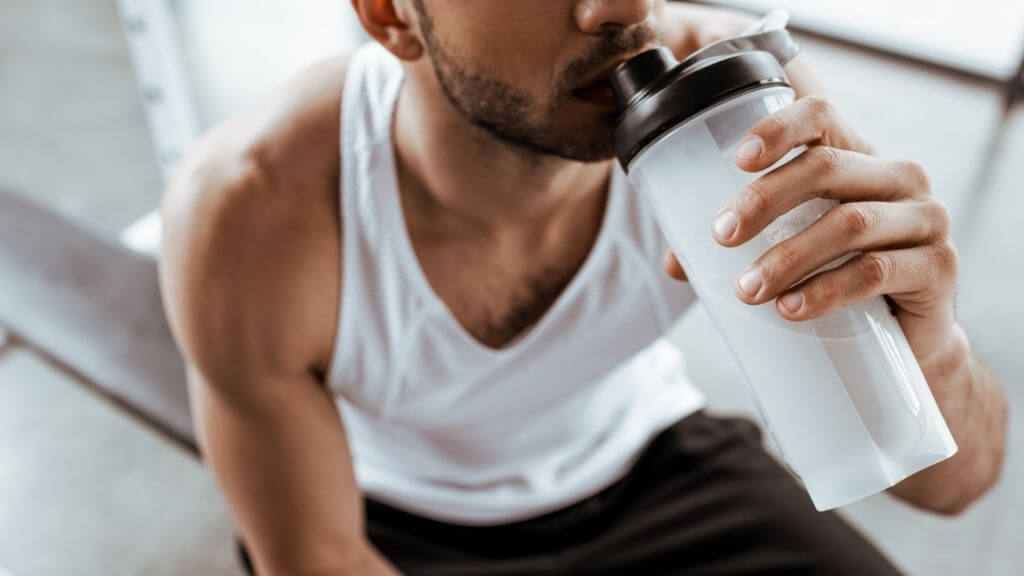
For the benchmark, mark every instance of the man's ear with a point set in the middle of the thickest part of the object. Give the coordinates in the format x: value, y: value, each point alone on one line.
x: 384, y: 23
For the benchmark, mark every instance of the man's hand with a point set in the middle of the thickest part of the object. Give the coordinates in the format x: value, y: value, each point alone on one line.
x: 887, y: 211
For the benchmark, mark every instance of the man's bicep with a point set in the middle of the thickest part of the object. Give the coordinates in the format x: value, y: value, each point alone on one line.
x: 248, y: 313
x: 268, y: 428
x: 281, y: 457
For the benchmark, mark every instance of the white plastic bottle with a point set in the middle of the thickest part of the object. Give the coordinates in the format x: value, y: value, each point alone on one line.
x: 842, y: 395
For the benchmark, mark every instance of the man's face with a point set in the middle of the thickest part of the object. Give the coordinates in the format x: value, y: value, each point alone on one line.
x: 531, y: 71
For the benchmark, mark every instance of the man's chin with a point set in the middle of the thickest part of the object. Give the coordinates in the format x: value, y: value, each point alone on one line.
x: 602, y: 154
x: 597, y: 146
x: 590, y: 141
x: 587, y: 139
x: 586, y: 152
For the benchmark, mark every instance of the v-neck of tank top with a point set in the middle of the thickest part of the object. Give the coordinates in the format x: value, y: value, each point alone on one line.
x: 396, y: 224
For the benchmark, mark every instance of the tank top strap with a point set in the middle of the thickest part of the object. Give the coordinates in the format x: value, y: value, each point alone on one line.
x: 376, y: 300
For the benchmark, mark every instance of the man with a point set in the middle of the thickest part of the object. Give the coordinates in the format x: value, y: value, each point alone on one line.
x: 430, y: 239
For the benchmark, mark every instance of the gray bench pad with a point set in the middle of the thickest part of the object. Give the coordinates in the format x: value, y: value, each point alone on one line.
x: 94, y: 307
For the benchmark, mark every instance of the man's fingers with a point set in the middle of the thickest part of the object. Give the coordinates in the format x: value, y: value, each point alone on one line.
x: 845, y: 229
x: 821, y: 172
x: 812, y: 120
x: 673, y: 268
x: 918, y: 279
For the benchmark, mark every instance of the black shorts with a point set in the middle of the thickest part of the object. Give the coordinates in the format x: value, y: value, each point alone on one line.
x: 704, y: 498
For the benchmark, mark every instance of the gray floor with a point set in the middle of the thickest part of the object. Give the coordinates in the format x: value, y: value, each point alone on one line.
x: 86, y: 490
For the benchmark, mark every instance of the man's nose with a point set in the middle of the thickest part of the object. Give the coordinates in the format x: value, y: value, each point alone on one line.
x: 594, y: 16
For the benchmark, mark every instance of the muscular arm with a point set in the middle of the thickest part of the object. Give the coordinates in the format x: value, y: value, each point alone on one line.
x: 974, y: 405
x: 249, y: 271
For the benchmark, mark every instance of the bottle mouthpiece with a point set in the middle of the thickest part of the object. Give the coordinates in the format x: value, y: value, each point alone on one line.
x: 639, y: 72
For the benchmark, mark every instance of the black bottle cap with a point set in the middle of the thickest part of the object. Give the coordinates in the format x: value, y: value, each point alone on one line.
x: 655, y: 94
x: 640, y: 72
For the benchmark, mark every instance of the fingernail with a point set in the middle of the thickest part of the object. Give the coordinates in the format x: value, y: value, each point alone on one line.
x: 726, y: 224
x: 793, y: 301
x: 750, y: 149
x: 750, y: 281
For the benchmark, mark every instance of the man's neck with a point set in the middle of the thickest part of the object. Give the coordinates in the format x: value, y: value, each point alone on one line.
x: 474, y: 181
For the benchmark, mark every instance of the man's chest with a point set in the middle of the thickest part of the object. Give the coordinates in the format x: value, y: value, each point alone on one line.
x: 498, y: 293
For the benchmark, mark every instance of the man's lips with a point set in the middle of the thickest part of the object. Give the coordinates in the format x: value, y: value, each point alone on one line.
x: 599, y: 93
x: 597, y: 88
x: 603, y: 74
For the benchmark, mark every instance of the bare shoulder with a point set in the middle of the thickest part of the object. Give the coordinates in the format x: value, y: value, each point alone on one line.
x: 250, y: 260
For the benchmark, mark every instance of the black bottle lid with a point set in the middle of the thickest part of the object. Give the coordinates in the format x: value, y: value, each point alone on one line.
x: 641, y: 71
x: 655, y: 93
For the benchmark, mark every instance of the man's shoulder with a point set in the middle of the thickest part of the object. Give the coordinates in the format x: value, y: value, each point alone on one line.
x: 251, y: 226
x: 276, y: 156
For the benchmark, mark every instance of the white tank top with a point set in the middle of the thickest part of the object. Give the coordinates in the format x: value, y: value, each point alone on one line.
x: 443, y: 426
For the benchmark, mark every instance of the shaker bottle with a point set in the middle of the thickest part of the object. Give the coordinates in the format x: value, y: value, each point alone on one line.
x: 842, y: 395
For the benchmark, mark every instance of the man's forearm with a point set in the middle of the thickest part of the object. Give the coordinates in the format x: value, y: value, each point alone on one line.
x: 369, y: 562
x: 974, y: 406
